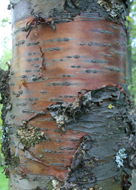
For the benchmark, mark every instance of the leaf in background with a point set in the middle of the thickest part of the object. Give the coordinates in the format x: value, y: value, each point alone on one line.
x: 129, y: 19
x: 4, y: 22
x: 126, y: 23
x: 0, y: 122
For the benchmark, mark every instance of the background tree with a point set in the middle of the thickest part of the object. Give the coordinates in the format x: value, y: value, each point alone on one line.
x: 67, y: 123
x: 132, y: 47
x: 129, y: 48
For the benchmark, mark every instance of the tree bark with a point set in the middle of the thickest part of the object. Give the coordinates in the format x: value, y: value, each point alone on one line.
x: 69, y: 126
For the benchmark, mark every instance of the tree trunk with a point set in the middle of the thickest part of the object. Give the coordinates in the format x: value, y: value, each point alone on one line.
x: 129, y: 49
x: 69, y: 126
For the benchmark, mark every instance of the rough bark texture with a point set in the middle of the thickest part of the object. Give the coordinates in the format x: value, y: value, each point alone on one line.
x: 5, y: 100
x: 69, y: 126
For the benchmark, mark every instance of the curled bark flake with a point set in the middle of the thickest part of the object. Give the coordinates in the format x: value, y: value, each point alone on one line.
x: 42, y: 67
x: 6, y: 172
x: 30, y: 157
x: 71, y: 4
x: 60, y: 120
x: 8, y: 65
x: 121, y: 90
x: 37, y: 20
x: 68, y: 186
x: 11, y: 6
x: 36, y: 115
x: 78, y: 157
x: 64, y: 112
x: 132, y: 161
x: 86, y: 142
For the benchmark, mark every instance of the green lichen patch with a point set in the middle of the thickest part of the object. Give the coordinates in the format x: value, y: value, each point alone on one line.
x: 30, y: 137
x: 14, y: 162
x: 50, y: 185
x: 54, y: 185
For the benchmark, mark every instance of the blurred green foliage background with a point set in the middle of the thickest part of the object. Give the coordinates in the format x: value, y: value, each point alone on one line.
x: 131, y: 48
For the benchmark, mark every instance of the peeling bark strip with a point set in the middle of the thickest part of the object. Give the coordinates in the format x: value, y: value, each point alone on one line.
x: 85, y: 139
x: 64, y: 112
